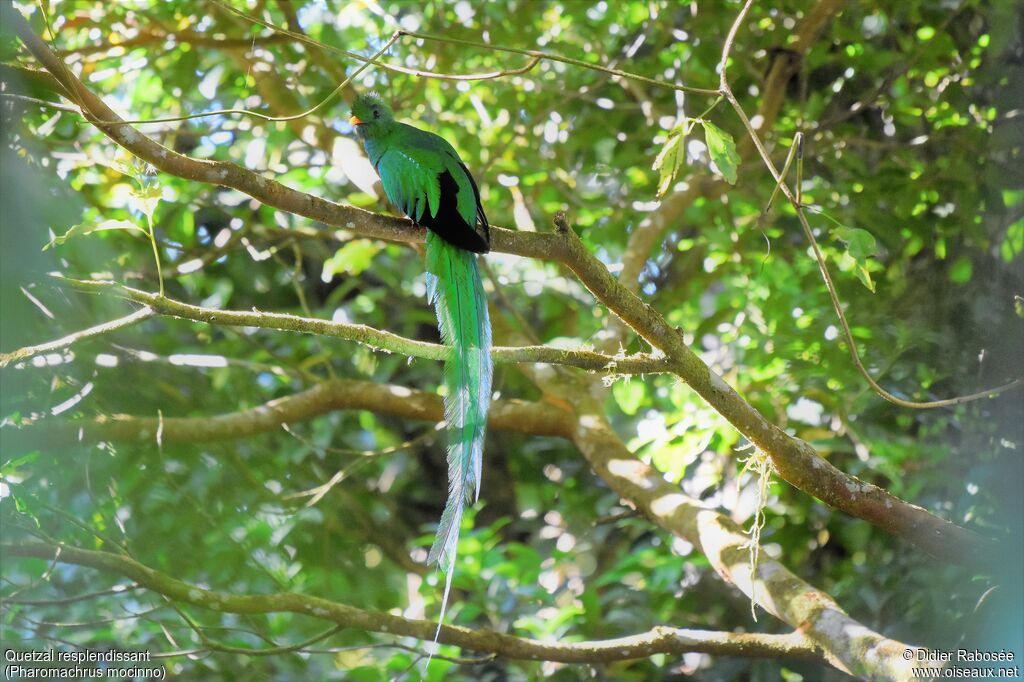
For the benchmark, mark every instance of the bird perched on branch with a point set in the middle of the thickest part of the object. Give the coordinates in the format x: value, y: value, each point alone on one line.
x: 423, y: 176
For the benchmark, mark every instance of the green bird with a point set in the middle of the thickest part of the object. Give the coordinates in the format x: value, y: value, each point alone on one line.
x: 423, y: 176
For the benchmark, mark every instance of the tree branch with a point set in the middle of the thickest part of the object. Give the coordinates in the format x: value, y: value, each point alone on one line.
x: 774, y: 588
x: 338, y: 394
x: 640, y: 363
x: 795, y: 460
x: 659, y: 640
x: 28, y: 351
x: 147, y: 36
x: 301, y: 37
x: 643, y: 240
x: 830, y: 286
x: 848, y: 644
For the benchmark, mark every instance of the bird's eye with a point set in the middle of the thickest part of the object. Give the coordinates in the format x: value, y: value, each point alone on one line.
x: 376, y: 113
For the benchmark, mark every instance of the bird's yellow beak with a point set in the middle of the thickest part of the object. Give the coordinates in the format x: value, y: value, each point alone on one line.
x: 354, y: 120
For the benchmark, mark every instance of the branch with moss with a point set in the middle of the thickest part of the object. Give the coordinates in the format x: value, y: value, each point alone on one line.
x: 639, y: 363
x: 794, y: 460
x: 337, y: 394
x: 774, y: 587
x: 849, y: 645
x: 660, y: 640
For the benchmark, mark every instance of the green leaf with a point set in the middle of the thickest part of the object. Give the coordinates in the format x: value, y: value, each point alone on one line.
x: 671, y: 158
x: 629, y: 395
x: 962, y: 270
x: 1013, y: 243
x: 865, y: 277
x: 11, y: 467
x: 352, y: 258
x: 860, y: 243
x: 146, y: 197
x: 860, y: 246
x: 722, y: 148
x: 83, y: 229
x: 365, y: 674
x: 848, y: 263
x: 22, y: 506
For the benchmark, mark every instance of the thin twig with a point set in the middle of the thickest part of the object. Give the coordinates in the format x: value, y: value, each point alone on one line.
x: 58, y: 344
x: 63, y: 601
x: 831, y: 287
x: 221, y: 112
x: 130, y: 615
x: 491, y: 75
x: 41, y: 102
x: 273, y: 650
x: 730, y: 38
x: 566, y: 60
x: 363, y: 456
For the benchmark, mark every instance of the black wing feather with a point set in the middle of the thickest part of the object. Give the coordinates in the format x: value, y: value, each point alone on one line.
x: 449, y: 223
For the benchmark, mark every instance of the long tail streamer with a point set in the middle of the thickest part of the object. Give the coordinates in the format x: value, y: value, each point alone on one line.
x: 456, y: 290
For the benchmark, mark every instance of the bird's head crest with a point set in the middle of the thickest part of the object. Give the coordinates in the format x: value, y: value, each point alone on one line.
x: 369, y: 109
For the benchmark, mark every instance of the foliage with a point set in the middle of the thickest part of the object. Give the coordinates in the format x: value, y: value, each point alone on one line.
x: 912, y: 167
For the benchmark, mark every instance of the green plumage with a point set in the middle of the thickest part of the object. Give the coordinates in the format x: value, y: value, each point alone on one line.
x: 423, y: 176
x: 454, y: 286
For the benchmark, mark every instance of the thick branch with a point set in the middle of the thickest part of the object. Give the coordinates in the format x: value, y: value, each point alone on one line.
x: 227, y: 174
x: 775, y: 588
x: 338, y: 394
x: 794, y: 459
x: 659, y: 640
x: 848, y: 644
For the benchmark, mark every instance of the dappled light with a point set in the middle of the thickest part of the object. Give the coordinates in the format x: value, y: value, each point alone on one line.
x: 626, y: 340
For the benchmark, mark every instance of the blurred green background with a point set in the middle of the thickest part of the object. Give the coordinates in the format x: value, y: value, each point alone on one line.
x: 911, y: 112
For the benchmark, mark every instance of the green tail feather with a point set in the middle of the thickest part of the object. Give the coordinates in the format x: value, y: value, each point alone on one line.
x: 456, y: 290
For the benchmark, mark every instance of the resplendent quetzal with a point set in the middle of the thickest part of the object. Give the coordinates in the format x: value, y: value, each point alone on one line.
x: 423, y: 176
